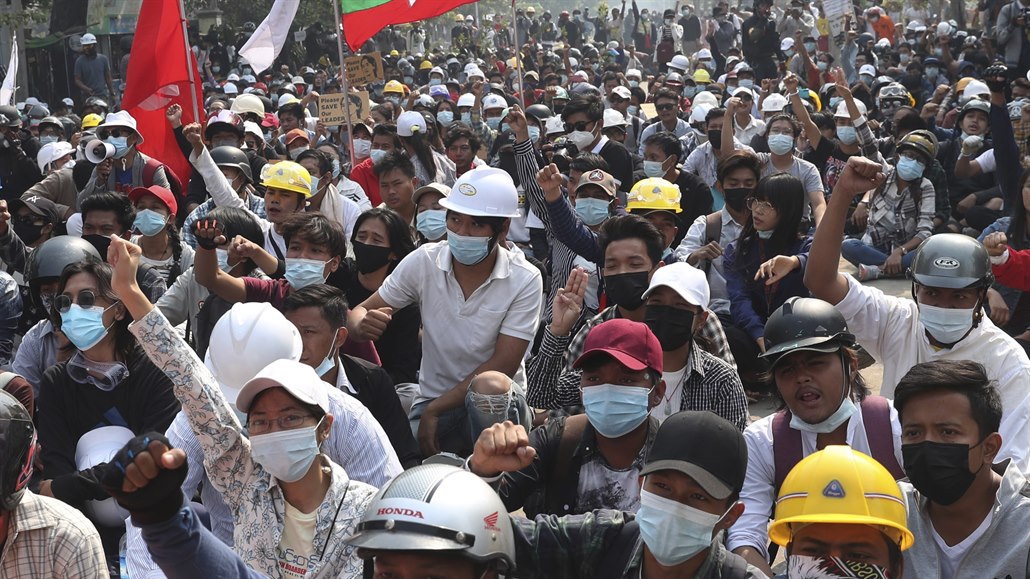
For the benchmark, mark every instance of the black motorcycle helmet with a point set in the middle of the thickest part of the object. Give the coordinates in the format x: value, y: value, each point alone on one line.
x: 18, y: 445
x: 233, y: 157
x: 803, y: 324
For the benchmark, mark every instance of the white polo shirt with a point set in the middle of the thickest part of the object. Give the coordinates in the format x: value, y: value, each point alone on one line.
x: 459, y: 334
x: 889, y: 329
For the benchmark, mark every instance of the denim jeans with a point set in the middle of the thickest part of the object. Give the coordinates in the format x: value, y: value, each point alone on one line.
x: 459, y: 428
x: 858, y: 252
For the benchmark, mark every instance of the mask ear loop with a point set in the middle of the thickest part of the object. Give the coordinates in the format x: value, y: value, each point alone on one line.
x: 845, y: 364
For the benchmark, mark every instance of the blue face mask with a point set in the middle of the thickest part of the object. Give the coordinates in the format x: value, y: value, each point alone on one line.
x: 910, y: 169
x: 120, y: 144
x: 505, y: 128
x: 766, y: 235
x: 746, y: 82
x: 847, y: 135
x: 466, y: 118
x: 673, y: 531
x: 846, y: 409
x: 314, y: 185
x: 592, y: 211
x: 432, y: 223
x: 534, y: 133
x: 47, y: 140
x: 376, y: 155
x: 834, y: 101
x: 84, y: 326
x: 150, y: 223
x: 932, y: 71
x: 336, y: 168
x: 301, y: 273
x: 689, y: 91
x: 223, y: 260
x: 654, y: 169
x: 435, y: 81
x: 445, y: 117
x: 781, y: 144
x: 615, y: 410
x: 468, y: 250
x: 330, y: 360
x: 493, y: 122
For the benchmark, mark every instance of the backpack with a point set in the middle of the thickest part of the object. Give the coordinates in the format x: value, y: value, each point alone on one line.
x: 150, y: 169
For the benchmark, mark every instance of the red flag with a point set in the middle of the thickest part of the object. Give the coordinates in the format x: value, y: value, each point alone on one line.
x: 359, y: 26
x: 158, y: 77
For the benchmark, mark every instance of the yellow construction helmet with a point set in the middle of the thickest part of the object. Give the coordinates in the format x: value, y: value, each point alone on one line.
x: 654, y: 194
x: 843, y: 486
x: 393, y: 86
x: 91, y: 120
x: 288, y: 176
x: 426, y: 65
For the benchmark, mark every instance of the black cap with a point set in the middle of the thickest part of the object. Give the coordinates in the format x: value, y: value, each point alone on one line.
x: 41, y: 206
x: 703, y: 446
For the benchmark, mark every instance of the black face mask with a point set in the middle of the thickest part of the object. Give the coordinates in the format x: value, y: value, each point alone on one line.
x: 737, y: 198
x: 370, y: 257
x: 672, y: 326
x: 715, y: 138
x: 29, y: 233
x: 100, y: 242
x: 938, y: 470
x: 626, y: 289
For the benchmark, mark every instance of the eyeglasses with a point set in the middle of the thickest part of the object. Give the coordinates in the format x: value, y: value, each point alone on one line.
x: 665, y: 107
x: 756, y: 206
x: 288, y: 422
x: 85, y: 299
x: 582, y: 126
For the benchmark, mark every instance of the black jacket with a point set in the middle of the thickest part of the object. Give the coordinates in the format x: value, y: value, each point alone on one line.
x: 375, y: 390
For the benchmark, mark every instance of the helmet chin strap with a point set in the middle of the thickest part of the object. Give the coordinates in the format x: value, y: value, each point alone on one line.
x: 845, y: 364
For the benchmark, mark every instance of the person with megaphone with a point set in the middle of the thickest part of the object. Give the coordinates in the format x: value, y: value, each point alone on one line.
x: 119, y: 164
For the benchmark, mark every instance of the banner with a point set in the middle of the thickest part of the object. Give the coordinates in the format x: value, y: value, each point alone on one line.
x: 364, y: 69
x: 334, y: 108
x: 113, y: 16
x: 362, y: 19
x: 267, y: 41
x: 10, y: 85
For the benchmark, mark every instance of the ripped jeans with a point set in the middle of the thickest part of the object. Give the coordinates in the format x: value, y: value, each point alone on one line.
x: 459, y: 428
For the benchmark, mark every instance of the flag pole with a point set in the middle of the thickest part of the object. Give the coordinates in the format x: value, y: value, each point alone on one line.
x: 343, y: 78
x: 518, y: 55
x: 189, y: 63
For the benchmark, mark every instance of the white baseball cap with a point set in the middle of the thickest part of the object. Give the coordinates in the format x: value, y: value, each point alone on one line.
x: 298, y: 379
x: 230, y: 88
x: 867, y: 69
x: 621, y: 92
x: 786, y: 43
x: 88, y: 38
x: 411, y: 122
x: 686, y: 280
x: 613, y: 118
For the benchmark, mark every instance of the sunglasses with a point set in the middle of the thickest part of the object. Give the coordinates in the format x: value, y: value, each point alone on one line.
x: 665, y: 107
x: 582, y: 126
x: 85, y: 299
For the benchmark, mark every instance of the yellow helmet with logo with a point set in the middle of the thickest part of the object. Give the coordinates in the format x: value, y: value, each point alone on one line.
x: 654, y: 194
x: 288, y: 176
x: 393, y: 86
x: 843, y: 486
x: 91, y: 120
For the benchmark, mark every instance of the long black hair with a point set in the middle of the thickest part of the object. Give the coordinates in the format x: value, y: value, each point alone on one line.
x: 103, y: 273
x: 397, y: 231
x: 1017, y: 232
x: 787, y: 195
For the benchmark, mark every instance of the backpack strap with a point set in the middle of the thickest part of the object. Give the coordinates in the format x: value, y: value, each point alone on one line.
x: 876, y: 415
x: 787, y: 450
x: 733, y: 567
x: 713, y: 226
x: 561, y: 469
x: 618, y: 553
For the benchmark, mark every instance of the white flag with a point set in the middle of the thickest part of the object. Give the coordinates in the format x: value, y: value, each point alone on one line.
x: 11, y: 80
x: 266, y: 42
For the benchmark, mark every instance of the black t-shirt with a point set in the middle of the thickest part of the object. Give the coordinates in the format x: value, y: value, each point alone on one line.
x: 695, y: 199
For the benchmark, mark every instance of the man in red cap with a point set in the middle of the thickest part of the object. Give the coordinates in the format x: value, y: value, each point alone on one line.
x: 589, y: 461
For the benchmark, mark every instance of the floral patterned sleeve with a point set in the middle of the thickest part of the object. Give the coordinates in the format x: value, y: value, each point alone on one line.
x: 226, y: 450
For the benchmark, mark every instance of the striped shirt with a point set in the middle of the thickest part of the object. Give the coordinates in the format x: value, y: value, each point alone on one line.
x: 48, y: 538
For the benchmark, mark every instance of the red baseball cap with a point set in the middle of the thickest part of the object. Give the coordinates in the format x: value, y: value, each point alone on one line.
x: 631, y: 343
x: 166, y: 196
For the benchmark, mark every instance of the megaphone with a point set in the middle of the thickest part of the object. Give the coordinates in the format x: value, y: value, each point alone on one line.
x: 98, y: 151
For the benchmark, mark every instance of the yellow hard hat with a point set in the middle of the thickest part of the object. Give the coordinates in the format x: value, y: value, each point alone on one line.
x: 654, y: 194
x: 844, y: 486
x: 288, y: 176
x: 426, y: 65
x: 394, y: 53
x: 91, y: 120
x: 459, y: 18
x: 393, y: 86
x: 701, y: 75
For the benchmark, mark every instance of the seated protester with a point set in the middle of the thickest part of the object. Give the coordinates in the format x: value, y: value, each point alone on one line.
x: 704, y: 159
x: 128, y: 168
x: 355, y: 441
x: 900, y: 212
x: 498, y: 307
x: 658, y: 201
x: 158, y: 237
x: 810, y: 349
x: 583, y: 121
x: 24, y: 225
x: 430, y: 166
x: 766, y: 265
x: 43, y: 537
x: 106, y: 382
x: 272, y: 493
x: 964, y: 508
x: 287, y: 190
x: 397, y: 184
x: 839, y: 513
x: 11, y: 308
x: 678, y: 532
x: 320, y: 313
x: 105, y: 214
x: 384, y: 141
x: 380, y: 241
x: 430, y: 216
x: 344, y: 185
x: 968, y: 163
x: 662, y: 154
x: 745, y: 126
x: 231, y: 162
x: 945, y: 321
x: 189, y: 301
x: 325, y: 196
x: 461, y: 145
x: 60, y: 184
x: 667, y: 104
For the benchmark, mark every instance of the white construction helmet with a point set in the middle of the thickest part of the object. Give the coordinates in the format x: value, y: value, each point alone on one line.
x: 95, y: 447
x: 439, y: 508
x: 248, y: 103
x: 51, y: 152
x: 680, y: 62
x: 484, y: 192
x: 774, y: 103
x: 466, y: 100
x: 247, y: 338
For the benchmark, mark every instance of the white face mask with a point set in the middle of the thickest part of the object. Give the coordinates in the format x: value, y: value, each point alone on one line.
x: 946, y: 325
x: 673, y: 531
x: 582, y: 139
x: 846, y: 409
x: 287, y: 454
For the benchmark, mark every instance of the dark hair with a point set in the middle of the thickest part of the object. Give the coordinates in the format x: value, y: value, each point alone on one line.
x: 312, y: 409
x: 325, y: 164
x: 317, y: 229
x: 787, y: 195
x: 585, y: 162
x: 387, y: 130
x: 1017, y: 230
x: 667, y: 93
x: 398, y: 232
x: 963, y: 376
x: 394, y: 160
x: 794, y: 126
x: 716, y: 113
x: 459, y: 131
x: 386, y: 111
x: 330, y: 301
x: 741, y: 159
x: 423, y: 152
x: 594, y: 362
x: 824, y: 121
x: 667, y: 142
x: 124, y: 341
x: 632, y: 227
x: 123, y: 210
x: 235, y: 221
x: 908, y: 121
x: 638, y: 92
x: 584, y: 103
x: 294, y: 109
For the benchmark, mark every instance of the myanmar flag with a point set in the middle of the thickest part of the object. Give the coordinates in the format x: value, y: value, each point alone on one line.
x: 362, y: 19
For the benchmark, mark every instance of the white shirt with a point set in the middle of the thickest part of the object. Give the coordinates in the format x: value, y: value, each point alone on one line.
x: 702, y: 161
x: 745, y: 134
x: 759, y: 493
x: 889, y: 329
x: 460, y: 334
x: 987, y: 162
x: 951, y: 556
x: 673, y: 394
x: 696, y: 238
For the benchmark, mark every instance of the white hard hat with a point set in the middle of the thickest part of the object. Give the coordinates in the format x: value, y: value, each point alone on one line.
x: 51, y: 152
x: 246, y: 339
x: 699, y: 112
x: 774, y: 103
x: 613, y: 118
x: 230, y: 88
x: 466, y: 100
x: 285, y: 98
x: 842, y: 111
x: 484, y: 192
x: 88, y: 38
x: 974, y: 88
x: 554, y: 125
x: 680, y: 62
x: 493, y: 101
x: 95, y: 447
x: 705, y: 98
x: 634, y: 73
x: 233, y: 77
x: 253, y: 128
x: 248, y: 103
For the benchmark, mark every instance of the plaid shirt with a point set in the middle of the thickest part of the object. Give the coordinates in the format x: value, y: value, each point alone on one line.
x: 48, y: 538
x: 254, y: 203
x: 1021, y: 131
x: 895, y: 217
